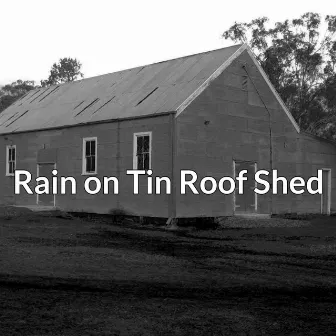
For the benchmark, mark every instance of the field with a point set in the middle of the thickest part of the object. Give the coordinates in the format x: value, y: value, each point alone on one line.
x: 77, y: 276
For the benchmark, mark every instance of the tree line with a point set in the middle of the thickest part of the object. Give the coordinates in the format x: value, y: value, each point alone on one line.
x: 65, y: 70
x: 299, y: 57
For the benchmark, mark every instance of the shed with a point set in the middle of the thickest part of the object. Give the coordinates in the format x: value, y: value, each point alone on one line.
x: 214, y: 113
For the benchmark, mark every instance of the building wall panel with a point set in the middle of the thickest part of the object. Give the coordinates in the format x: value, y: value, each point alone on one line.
x: 229, y: 122
x: 115, y: 157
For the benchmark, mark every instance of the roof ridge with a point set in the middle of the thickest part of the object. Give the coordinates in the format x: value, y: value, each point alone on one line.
x: 150, y: 64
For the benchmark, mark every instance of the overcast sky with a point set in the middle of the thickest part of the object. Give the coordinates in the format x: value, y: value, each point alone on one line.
x: 107, y: 36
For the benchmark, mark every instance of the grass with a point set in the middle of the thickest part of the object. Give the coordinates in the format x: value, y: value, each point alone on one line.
x: 79, y: 277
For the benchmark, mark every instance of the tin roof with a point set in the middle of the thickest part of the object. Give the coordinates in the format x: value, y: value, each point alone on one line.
x: 142, y: 91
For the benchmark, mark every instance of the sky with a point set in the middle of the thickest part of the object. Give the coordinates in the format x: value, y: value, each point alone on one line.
x: 107, y: 36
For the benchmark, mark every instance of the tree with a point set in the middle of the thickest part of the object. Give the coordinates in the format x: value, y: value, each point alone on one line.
x: 11, y: 92
x: 300, y: 63
x: 66, y: 70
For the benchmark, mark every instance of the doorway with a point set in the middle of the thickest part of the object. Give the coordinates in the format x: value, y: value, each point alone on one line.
x: 245, y: 203
x: 45, y: 170
x: 326, y: 191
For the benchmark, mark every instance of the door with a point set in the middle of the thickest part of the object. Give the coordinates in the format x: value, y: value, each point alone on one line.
x: 45, y: 170
x: 326, y: 191
x: 247, y: 202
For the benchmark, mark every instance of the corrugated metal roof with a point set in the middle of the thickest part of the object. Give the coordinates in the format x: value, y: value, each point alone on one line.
x: 146, y: 90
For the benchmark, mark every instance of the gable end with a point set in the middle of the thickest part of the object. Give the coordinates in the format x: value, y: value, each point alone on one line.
x: 222, y: 68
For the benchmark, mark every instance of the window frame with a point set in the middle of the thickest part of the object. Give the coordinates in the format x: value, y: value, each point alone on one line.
x: 84, y: 168
x: 135, y: 139
x: 8, y: 147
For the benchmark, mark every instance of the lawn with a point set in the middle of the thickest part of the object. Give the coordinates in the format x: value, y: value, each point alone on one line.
x: 82, y: 277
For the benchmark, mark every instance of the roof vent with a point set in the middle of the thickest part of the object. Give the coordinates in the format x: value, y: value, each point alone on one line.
x: 86, y: 107
x: 39, y: 95
x: 34, y: 94
x: 79, y: 104
x: 55, y: 89
x: 141, y: 69
x: 147, y: 96
x: 11, y: 117
x: 17, y: 118
x: 103, y: 105
x: 26, y: 94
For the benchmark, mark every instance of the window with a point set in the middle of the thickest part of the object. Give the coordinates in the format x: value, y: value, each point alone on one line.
x: 11, y: 160
x: 142, y: 151
x: 89, y: 156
